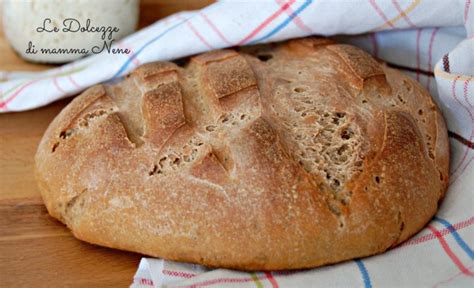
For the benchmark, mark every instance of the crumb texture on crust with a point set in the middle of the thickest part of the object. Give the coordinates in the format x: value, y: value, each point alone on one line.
x: 275, y: 157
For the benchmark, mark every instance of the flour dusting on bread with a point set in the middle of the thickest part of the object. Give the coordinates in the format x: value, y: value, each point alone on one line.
x: 284, y: 156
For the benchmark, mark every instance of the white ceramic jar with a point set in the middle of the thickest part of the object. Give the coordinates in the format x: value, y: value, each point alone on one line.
x: 80, y: 26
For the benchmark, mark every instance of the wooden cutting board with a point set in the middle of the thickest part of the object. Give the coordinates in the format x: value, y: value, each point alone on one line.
x: 35, y: 249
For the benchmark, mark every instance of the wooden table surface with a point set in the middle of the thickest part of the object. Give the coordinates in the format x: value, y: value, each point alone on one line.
x: 35, y: 249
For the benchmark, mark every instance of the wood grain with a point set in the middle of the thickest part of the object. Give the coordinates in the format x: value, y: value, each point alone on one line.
x: 20, y: 134
x: 35, y: 249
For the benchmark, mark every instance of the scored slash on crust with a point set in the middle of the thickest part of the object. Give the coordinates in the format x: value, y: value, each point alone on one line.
x: 275, y: 157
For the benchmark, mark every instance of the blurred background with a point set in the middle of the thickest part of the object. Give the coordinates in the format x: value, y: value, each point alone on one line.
x: 150, y: 11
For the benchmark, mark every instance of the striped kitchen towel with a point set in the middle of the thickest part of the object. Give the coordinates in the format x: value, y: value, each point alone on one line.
x: 431, y: 40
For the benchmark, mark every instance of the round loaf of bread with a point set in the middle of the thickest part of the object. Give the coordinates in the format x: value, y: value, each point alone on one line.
x: 284, y: 156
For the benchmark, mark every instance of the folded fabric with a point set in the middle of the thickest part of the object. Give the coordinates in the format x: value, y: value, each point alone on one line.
x: 430, y: 40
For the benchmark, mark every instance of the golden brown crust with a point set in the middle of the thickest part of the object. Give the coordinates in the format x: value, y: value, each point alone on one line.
x: 291, y: 156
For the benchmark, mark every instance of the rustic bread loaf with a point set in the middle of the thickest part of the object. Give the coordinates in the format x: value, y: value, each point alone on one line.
x: 288, y: 156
